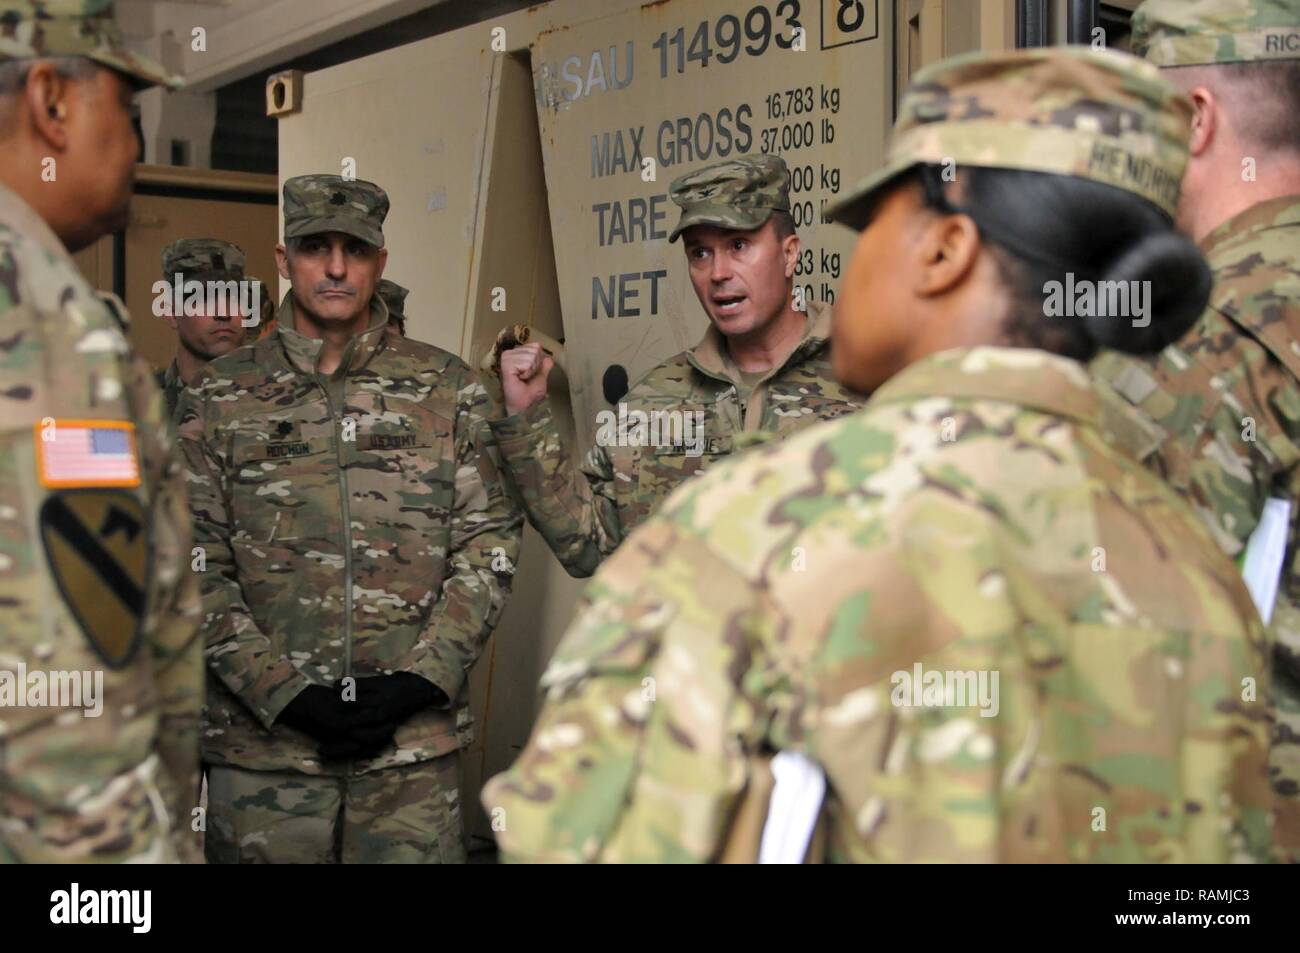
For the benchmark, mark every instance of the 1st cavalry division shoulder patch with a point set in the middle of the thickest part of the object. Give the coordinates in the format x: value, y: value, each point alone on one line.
x: 95, y: 535
x: 97, y: 545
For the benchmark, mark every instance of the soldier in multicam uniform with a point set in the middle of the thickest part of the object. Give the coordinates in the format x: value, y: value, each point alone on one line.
x: 200, y: 337
x: 359, y: 550
x: 971, y: 521
x: 1218, y: 413
x: 94, y: 532
x: 762, y: 367
x: 394, y: 296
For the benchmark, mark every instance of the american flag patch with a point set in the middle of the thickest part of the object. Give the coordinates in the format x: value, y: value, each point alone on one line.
x: 77, y: 453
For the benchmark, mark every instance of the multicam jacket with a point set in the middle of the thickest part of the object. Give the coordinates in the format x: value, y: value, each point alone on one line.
x: 585, y: 514
x: 1218, y: 413
x: 171, y: 385
x: 94, y: 578
x: 971, y: 522
x: 1218, y: 416
x: 353, y: 525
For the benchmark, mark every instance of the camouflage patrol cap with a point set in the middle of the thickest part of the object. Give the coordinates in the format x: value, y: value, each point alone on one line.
x: 199, y: 259
x: 393, y: 295
x: 330, y: 203
x: 1202, y: 32
x: 739, y: 193
x: 46, y: 28
x: 1072, y: 110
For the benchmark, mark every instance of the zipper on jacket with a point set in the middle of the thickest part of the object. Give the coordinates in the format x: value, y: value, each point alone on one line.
x: 347, y: 530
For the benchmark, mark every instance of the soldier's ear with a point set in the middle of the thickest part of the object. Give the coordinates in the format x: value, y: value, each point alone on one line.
x: 790, y: 247
x: 1205, y: 120
x: 383, y: 263
x: 48, y: 98
x: 947, y: 251
x: 282, y: 260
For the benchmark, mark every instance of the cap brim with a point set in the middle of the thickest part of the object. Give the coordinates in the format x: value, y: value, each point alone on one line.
x: 335, y: 223
x: 140, y: 71
x: 855, y: 207
x: 722, y: 216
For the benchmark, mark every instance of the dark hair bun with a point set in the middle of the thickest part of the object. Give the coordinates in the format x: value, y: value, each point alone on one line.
x: 1179, y: 289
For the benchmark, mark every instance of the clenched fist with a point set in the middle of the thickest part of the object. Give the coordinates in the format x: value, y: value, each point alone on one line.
x: 524, y: 370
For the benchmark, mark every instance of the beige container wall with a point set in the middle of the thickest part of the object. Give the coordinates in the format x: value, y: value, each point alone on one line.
x: 450, y: 128
x: 96, y: 263
x: 930, y: 30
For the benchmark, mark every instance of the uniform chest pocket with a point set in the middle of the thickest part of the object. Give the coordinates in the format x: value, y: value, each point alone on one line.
x: 400, y: 474
x: 664, y: 467
x: 395, y: 448
x: 399, y: 456
x: 284, y: 489
x: 687, y: 460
